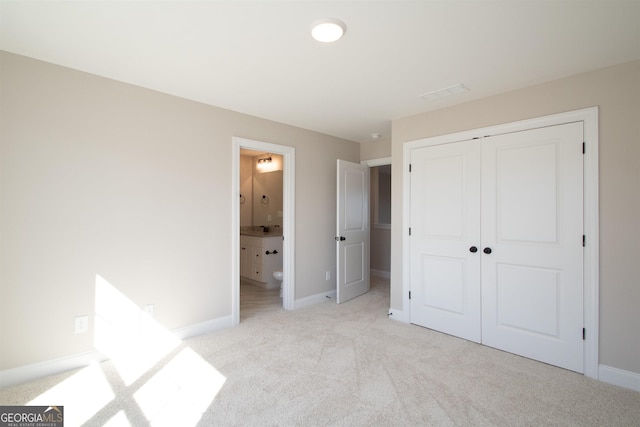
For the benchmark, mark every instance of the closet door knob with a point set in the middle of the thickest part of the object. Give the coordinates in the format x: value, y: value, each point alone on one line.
x: 473, y: 249
x: 487, y: 250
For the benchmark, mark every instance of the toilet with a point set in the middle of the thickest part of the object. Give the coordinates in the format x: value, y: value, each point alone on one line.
x: 277, y: 274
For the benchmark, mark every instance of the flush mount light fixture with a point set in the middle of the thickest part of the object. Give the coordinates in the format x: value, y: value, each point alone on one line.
x: 442, y: 93
x: 328, y: 30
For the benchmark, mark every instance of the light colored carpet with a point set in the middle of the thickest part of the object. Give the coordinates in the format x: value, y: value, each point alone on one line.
x: 339, y: 365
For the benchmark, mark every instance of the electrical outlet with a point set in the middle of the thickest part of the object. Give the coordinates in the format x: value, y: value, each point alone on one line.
x: 81, y: 324
x: 148, y: 309
x: 327, y: 275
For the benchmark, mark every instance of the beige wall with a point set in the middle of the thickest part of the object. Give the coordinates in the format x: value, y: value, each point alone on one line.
x: 616, y: 91
x: 101, y: 177
x: 375, y: 149
x: 246, y: 190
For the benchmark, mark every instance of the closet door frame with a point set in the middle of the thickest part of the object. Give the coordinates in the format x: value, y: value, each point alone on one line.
x: 589, y: 118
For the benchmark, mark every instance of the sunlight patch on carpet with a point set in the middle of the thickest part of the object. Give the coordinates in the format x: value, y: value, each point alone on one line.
x: 82, y: 395
x: 181, y: 391
x: 181, y: 386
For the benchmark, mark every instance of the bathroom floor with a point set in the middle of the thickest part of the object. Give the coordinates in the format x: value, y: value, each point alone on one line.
x: 255, y: 300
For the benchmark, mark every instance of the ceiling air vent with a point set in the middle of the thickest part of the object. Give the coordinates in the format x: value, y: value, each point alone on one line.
x: 442, y: 93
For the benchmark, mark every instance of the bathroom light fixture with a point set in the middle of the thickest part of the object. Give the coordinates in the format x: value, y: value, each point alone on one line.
x: 328, y: 30
x: 264, y: 162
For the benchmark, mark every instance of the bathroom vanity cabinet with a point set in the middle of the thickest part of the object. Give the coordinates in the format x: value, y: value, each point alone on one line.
x: 259, y: 257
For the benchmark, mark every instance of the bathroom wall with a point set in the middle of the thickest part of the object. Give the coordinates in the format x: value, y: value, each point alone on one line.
x: 246, y: 191
x: 261, y: 190
x: 267, y: 192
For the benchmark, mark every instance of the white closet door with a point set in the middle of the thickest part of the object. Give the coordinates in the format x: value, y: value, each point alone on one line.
x: 532, y: 221
x: 445, y: 224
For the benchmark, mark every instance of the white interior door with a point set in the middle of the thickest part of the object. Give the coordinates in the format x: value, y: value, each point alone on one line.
x: 352, y: 235
x: 532, y: 222
x: 445, y: 238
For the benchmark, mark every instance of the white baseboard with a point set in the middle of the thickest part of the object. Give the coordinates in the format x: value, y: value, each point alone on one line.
x: 314, y: 299
x: 22, y: 374
x: 619, y: 377
x: 381, y: 273
x: 203, y: 327
x: 323, y: 296
x: 397, y: 315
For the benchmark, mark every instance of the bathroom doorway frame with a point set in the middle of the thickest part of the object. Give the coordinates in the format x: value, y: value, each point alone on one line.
x: 288, y: 224
x: 372, y: 163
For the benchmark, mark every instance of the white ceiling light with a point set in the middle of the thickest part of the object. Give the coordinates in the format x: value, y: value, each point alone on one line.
x: 328, y: 30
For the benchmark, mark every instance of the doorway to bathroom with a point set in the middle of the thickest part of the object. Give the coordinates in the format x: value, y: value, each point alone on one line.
x: 363, y: 227
x: 380, y: 211
x: 380, y: 202
x: 263, y: 227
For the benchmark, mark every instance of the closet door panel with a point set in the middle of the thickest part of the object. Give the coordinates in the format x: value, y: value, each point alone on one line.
x: 445, y: 215
x: 532, y: 213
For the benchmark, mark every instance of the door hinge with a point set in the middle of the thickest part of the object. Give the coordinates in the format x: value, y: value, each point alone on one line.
x: 409, y: 231
x: 409, y: 167
x: 584, y: 147
x: 584, y: 240
x: 409, y: 294
x: 584, y: 334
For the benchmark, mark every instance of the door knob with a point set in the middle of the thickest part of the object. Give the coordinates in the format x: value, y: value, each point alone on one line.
x: 473, y: 249
x: 487, y: 250
x: 341, y: 238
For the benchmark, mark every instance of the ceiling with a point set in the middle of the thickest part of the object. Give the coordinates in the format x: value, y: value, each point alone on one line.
x: 258, y: 57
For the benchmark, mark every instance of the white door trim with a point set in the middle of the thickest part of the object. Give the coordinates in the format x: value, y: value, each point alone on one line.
x: 382, y: 161
x: 589, y: 117
x: 288, y: 225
